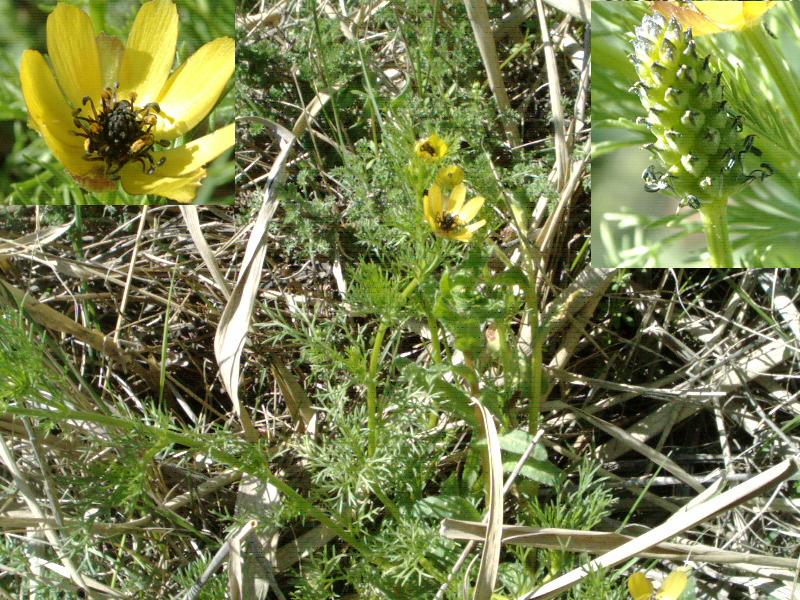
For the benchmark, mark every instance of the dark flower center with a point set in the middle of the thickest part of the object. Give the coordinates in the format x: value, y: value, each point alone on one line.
x: 428, y: 149
x: 119, y: 133
x: 448, y: 222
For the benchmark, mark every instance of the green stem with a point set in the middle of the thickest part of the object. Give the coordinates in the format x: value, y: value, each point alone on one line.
x: 436, y: 346
x: 538, y: 335
x: 375, y: 356
x: 372, y: 387
x: 715, y: 223
x: 537, y: 339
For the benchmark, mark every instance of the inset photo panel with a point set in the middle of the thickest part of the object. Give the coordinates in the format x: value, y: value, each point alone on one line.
x: 695, y: 153
x: 116, y: 102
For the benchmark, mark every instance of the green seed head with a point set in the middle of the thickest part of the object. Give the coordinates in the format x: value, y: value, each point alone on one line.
x: 697, y: 139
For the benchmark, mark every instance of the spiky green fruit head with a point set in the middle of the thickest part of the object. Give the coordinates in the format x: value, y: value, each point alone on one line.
x: 698, y: 140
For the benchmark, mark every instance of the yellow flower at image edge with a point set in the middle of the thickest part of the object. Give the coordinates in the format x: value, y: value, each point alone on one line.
x: 450, y: 217
x: 107, y: 111
x: 431, y: 148
x: 715, y: 16
x: 640, y: 587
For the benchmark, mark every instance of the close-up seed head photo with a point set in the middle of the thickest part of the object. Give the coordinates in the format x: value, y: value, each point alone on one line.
x: 699, y: 102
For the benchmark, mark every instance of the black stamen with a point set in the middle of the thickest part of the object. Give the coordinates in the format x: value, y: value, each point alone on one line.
x: 119, y: 133
x: 448, y: 222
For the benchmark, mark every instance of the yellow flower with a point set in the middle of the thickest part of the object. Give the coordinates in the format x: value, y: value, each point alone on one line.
x: 105, y: 108
x: 450, y: 177
x: 715, y: 17
x: 450, y: 218
x: 640, y: 587
x: 432, y: 148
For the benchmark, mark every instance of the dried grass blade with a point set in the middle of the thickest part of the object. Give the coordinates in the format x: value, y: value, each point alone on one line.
x: 35, y: 240
x: 554, y: 219
x: 296, y: 398
x: 239, y: 588
x: 702, y: 512
x: 580, y: 9
x: 479, y: 19
x: 596, y: 542
x: 632, y: 442
x: 300, y: 547
x: 754, y: 363
x: 234, y: 323
x: 192, y: 221
x: 490, y: 559
x: 129, y: 278
x: 590, y: 283
x: 562, y: 152
x: 30, y: 497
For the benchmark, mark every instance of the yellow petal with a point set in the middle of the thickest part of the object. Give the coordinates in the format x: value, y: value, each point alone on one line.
x: 470, y: 209
x: 640, y: 587
x: 179, y: 177
x: 426, y: 211
x: 431, y: 148
x: 51, y: 117
x: 46, y: 104
x: 73, y: 52
x: 435, y: 202
x: 710, y: 17
x: 463, y: 235
x: 476, y: 225
x: 110, y: 49
x: 724, y: 14
x: 754, y: 10
x: 687, y: 15
x: 49, y: 113
x: 456, y: 199
x: 182, y: 189
x: 438, y: 144
x: 150, y: 51
x: 197, y: 153
x: 192, y: 90
x: 733, y: 15
x: 673, y: 585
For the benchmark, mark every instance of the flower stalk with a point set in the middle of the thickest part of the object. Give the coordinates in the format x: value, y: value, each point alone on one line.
x: 715, y: 224
x: 375, y: 355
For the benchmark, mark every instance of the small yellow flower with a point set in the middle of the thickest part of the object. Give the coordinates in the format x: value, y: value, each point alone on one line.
x: 105, y: 108
x: 450, y: 218
x: 715, y: 17
x: 432, y: 148
x: 450, y: 177
x: 640, y: 587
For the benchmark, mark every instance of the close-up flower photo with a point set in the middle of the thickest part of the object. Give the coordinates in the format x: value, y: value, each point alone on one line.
x: 347, y: 318
x: 119, y: 104
x: 695, y: 157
